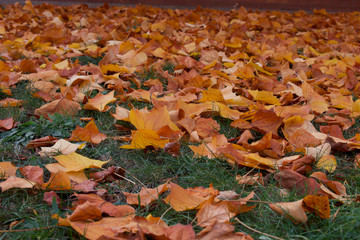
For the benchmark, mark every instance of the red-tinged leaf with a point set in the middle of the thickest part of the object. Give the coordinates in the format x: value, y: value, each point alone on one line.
x: 6, y: 124
x: 42, y: 142
x: 49, y: 196
x: 108, y: 175
x: 86, y: 186
x: 296, y: 182
x: 106, y: 207
x: 221, y: 230
x: 33, y: 173
x: 266, y: 121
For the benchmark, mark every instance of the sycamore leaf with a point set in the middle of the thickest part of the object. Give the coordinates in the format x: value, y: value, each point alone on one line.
x: 154, y: 120
x: 58, y: 181
x: 264, y: 96
x: 33, y: 173
x: 75, y: 162
x: 6, y: 124
x: 146, y: 137
x: 61, y: 146
x: 90, y: 133
x: 146, y: 195
x: 7, y: 169
x: 327, y: 162
x: 181, y: 199
x: 86, y: 211
x: 319, y: 205
x: 78, y: 176
x: 106, y: 207
x: 15, y: 182
x: 210, y: 213
x: 100, y: 101
x: 62, y: 106
x: 291, y: 210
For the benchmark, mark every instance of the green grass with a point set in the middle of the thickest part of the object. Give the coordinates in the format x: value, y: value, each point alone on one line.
x: 151, y: 169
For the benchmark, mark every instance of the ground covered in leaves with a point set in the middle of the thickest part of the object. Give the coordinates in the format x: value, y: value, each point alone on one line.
x: 148, y: 123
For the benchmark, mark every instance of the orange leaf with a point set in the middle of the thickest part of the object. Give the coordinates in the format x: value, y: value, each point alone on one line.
x: 86, y: 211
x: 181, y: 199
x: 6, y: 124
x: 100, y: 101
x: 267, y: 121
x: 210, y: 213
x: 106, y: 207
x: 58, y: 181
x: 146, y: 195
x: 154, y: 120
x: 33, y: 173
x: 7, y: 169
x: 319, y: 205
x: 90, y: 133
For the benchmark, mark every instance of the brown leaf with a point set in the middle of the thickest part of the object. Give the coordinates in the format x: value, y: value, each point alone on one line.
x: 62, y: 106
x: 33, y: 173
x: 319, y: 205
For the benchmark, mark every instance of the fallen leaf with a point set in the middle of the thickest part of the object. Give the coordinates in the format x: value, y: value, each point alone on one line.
x: 16, y: 182
x: 74, y: 162
x: 90, y: 133
x: 291, y: 210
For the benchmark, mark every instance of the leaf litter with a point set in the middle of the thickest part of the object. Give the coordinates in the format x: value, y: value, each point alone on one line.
x: 276, y: 75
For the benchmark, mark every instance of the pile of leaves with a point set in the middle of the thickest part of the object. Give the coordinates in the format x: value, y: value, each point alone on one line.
x: 287, y: 84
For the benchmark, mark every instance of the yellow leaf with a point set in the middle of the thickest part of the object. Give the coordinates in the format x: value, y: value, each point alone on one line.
x: 145, y: 137
x: 264, y: 96
x: 76, y: 162
x: 327, y: 162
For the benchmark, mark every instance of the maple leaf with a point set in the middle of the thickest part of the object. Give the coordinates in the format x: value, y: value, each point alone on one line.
x: 16, y: 182
x: 100, y: 101
x: 146, y: 195
x: 181, y: 199
x: 90, y: 133
x: 62, y: 106
x: 7, y: 169
x: 74, y: 162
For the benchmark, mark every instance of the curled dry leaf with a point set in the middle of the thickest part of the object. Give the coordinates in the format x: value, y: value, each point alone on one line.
x: 108, y: 175
x: 146, y: 195
x: 292, y: 210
